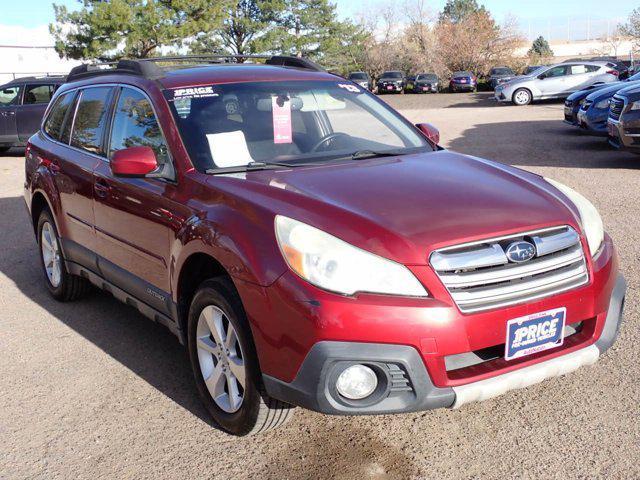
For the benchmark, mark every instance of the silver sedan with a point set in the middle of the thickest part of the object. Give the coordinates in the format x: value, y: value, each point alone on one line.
x: 556, y: 81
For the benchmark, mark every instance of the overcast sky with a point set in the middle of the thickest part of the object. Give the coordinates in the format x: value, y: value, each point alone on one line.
x: 25, y: 22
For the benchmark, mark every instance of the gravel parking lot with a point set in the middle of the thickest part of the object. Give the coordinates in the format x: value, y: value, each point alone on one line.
x: 94, y: 390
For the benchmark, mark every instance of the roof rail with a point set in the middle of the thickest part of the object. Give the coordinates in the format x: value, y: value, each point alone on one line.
x: 149, y: 68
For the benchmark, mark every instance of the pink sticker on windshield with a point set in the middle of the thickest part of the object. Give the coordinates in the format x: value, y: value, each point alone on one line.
x: 281, y: 120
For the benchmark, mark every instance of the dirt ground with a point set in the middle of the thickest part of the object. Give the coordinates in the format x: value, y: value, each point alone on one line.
x: 94, y: 390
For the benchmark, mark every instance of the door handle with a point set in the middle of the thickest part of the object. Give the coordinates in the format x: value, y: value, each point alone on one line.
x: 101, y: 187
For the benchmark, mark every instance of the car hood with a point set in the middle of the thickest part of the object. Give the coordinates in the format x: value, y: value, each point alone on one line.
x: 610, y: 89
x: 404, y: 207
x: 518, y: 80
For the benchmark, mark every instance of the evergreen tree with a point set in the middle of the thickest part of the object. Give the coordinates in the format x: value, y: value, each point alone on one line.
x: 113, y: 29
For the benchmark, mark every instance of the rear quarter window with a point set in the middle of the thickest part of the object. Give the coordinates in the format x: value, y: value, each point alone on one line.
x: 55, y: 121
x: 34, y: 94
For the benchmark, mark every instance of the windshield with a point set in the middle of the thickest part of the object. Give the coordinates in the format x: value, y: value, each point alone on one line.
x: 427, y: 77
x: 536, y: 70
x: 233, y: 125
x: 461, y: 74
x: 358, y: 76
x: 501, y: 71
x: 391, y: 75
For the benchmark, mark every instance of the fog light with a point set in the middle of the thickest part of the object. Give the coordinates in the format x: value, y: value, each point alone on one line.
x: 357, y: 382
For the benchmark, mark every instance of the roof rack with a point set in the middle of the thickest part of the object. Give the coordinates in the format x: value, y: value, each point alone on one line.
x: 149, y: 68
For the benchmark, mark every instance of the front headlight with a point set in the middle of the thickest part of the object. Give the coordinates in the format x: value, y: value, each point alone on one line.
x: 603, y: 104
x: 335, y: 265
x: 591, y: 220
x: 635, y: 106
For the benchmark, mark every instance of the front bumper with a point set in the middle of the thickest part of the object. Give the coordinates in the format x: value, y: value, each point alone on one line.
x: 617, y: 132
x: 291, y: 317
x: 390, y: 88
x: 459, y: 87
x: 407, y: 386
x: 592, y: 123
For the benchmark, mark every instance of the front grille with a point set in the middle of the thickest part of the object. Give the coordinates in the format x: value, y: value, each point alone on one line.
x: 568, y: 103
x: 616, y: 107
x: 399, y: 380
x: 480, y: 277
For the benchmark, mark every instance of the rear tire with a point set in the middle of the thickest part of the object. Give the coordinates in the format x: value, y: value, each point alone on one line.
x: 225, y: 364
x: 61, y: 284
x: 4, y: 149
x: 522, y: 97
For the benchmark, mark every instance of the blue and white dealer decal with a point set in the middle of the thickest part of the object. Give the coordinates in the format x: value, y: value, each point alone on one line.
x: 535, y: 333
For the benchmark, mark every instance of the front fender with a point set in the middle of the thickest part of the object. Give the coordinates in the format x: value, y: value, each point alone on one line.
x: 247, y: 250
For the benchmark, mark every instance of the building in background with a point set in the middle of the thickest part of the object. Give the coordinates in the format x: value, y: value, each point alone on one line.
x: 25, y: 61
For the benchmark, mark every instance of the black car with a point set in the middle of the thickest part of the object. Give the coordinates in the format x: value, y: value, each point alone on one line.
x: 362, y: 79
x: 391, y: 82
x: 423, y: 83
x: 22, y: 105
x: 498, y: 75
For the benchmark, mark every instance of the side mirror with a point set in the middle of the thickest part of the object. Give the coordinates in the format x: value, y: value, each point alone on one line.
x: 134, y: 162
x: 429, y: 131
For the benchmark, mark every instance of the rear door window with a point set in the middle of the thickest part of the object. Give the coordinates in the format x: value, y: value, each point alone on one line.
x: 592, y: 68
x: 89, y: 124
x: 577, y: 69
x: 55, y: 121
x: 135, y: 125
x: 34, y: 94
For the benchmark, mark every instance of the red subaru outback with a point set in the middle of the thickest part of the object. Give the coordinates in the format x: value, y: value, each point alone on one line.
x: 310, y: 246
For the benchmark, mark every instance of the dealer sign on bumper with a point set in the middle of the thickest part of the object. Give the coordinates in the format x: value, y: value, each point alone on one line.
x: 534, y: 333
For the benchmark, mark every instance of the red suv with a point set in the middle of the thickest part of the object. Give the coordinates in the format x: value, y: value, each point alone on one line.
x: 310, y: 246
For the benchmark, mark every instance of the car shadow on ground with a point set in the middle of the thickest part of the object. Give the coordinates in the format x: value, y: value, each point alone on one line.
x: 518, y: 143
x: 146, y: 348
x: 13, y: 152
x: 476, y: 99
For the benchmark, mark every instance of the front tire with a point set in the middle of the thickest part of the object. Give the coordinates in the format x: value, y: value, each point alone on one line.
x: 61, y: 284
x: 225, y: 363
x: 522, y: 97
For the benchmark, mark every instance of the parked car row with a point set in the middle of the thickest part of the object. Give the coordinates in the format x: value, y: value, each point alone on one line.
x: 22, y: 104
x: 608, y: 111
x: 556, y: 81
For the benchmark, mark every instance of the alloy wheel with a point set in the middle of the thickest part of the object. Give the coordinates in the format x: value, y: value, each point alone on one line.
x: 221, y: 359
x: 51, y: 254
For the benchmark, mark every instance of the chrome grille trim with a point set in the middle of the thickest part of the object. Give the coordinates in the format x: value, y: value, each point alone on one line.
x: 478, y: 275
x: 616, y: 107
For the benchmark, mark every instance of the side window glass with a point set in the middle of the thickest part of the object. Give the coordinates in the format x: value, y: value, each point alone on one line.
x: 91, y: 119
x: 37, y: 94
x: 555, y: 72
x: 578, y: 69
x: 9, y: 95
x: 135, y: 125
x: 592, y: 68
x: 55, y: 120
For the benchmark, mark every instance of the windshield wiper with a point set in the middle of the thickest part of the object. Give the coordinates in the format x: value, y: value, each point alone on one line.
x: 364, y: 154
x: 249, y: 167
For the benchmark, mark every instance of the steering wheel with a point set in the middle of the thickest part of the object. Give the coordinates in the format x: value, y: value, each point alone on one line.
x: 326, y: 139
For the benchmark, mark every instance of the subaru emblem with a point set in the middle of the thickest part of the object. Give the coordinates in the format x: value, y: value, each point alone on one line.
x: 521, y: 251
